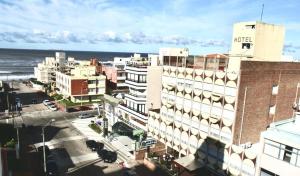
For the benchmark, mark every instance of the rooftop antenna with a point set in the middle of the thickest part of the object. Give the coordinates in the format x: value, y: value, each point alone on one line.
x: 262, y: 12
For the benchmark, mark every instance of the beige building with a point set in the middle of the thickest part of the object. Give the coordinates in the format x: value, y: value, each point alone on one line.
x: 82, y: 84
x: 256, y: 41
x: 280, y: 149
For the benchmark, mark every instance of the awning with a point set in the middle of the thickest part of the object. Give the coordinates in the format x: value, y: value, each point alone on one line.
x: 189, y: 162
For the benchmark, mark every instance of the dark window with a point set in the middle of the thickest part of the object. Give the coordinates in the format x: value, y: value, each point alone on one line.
x: 246, y: 45
x: 250, y: 26
x: 166, y: 60
x: 287, y: 154
x: 264, y: 172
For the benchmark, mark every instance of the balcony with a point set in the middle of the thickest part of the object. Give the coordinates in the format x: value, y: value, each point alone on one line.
x: 119, y: 78
x: 136, y: 84
x: 139, y: 115
x: 136, y: 97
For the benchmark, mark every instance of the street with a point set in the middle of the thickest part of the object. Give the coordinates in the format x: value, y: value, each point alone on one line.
x: 67, y: 144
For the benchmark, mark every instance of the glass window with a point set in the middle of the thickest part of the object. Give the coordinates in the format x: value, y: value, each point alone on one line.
x: 287, y: 153
x: 272, y: 148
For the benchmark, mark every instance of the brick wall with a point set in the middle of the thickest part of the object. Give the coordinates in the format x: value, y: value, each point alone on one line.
x: 79, y: 85
x: 259, y: 78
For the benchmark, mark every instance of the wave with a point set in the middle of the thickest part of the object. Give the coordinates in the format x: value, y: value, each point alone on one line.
x: 15, y: 73
x: 16, y: 77
x: 6, y: 72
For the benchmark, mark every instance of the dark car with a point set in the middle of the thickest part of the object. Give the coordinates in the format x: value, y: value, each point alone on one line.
x: 102, y: 153
x: 111, y: 157
x: 107, y: 156
x: 51, y: 169
x: 93, y: 145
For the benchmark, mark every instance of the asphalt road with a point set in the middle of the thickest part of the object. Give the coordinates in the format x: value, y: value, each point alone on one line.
x: 66, y: 142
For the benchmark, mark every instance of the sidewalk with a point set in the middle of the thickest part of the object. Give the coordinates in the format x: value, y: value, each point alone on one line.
x: 82, y: 126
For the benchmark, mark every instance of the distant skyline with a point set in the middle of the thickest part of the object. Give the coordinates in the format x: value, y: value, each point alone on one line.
x: 139, y: 25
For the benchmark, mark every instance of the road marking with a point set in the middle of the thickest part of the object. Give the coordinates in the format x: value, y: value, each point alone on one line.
x: 59, y: 140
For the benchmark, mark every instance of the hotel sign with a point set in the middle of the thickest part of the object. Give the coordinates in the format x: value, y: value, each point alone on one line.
x: 243, y: 39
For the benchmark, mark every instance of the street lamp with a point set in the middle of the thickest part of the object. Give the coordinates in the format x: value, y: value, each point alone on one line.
x: 43, y: 134
x: 81, y: 93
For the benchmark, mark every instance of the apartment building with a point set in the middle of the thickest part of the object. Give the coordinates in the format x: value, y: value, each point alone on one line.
x: 216, y: 113
x: 45, y: 71
x: 116, y: 75
x: 81, y: 84
x: 280, y: 149
x: 140, y: 74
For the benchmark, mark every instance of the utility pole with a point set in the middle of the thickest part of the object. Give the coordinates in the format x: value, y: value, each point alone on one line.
x: 43, y: 135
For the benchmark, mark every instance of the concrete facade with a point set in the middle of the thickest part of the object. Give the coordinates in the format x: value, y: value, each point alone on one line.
x: 280, y: 148
x: 154, y: 85
x: 255, y: 41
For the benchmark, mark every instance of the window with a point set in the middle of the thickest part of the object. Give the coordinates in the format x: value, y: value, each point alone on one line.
x: 264, y: 172
x: 275, y: 90
x: 272, y: 110
x: 246, y: 45
x: 250, y: 26
x: 166, y: 60
x: 272, y: 148
x: 287, y: 153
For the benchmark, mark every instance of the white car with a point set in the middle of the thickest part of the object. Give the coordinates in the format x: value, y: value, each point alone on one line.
x: 52, y: 107
x: 47, y: 102
x: 85, y: 116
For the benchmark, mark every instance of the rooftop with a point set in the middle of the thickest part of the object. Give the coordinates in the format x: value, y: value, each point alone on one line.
x: 285, y: 131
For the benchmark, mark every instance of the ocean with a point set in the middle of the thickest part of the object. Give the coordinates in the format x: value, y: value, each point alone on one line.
x: 16, y: 64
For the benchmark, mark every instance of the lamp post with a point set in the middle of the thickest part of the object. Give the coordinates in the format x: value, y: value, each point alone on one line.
x: 43, y: 134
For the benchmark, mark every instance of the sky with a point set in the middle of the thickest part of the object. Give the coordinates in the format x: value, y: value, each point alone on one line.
x: 139, y: 25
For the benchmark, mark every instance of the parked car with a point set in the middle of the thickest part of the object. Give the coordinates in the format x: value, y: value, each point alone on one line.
x: 51, y: 168
x: 102, y: 153
x: 85, y: 116
x: 111, y: 157
x: 52, y: 107
x: 108, y: 156
x: 47, y: 102
x: 93, y: 145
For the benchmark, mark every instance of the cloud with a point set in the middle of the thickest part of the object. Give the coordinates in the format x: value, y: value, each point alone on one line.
x: 291, y: 48
x: 205, y: 25
x: 65, y: 37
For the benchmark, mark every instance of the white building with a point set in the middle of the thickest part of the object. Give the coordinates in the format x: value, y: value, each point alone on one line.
x: 45, y: 71
x: 280, y: 149
x: 135, y: 108
x: 82, y: 84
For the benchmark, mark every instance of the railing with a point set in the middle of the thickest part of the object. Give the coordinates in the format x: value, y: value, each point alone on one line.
x: 145, y: 114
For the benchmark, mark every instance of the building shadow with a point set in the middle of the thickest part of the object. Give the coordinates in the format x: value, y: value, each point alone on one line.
x: 207, y: 161
x: 63, y: 159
